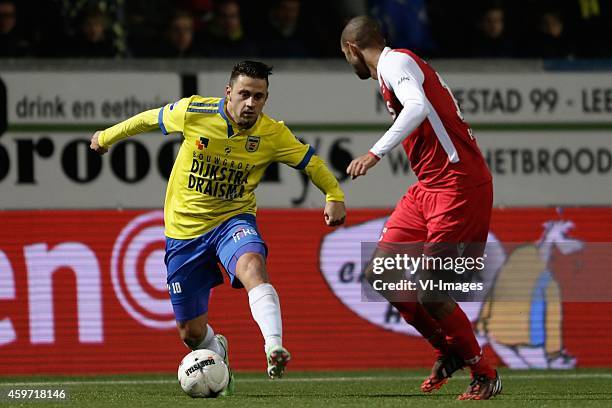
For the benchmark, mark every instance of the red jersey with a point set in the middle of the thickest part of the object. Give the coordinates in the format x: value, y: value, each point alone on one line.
x: 442, y: 150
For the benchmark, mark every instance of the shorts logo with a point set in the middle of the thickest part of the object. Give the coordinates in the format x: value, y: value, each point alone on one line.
x: 202, y: 143
x: 252, y: 144
x: 242, y: 233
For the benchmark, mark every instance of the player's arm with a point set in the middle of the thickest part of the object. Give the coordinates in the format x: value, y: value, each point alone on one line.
x: 322, y: 177
x: 407, y: 87
x: 169, y: 118
x: 300, y: 156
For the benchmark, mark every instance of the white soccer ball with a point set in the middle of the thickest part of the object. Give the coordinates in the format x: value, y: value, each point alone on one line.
x: 203, y: 374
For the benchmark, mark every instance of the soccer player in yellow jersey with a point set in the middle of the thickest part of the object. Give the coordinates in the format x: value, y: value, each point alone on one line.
x: 209, y: 210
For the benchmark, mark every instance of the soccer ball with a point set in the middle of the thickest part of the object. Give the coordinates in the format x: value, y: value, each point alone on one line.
x: 203, y: 374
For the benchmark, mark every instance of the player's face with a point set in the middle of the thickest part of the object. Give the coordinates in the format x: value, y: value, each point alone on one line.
x: 246, y: 99
x: 355, y: 58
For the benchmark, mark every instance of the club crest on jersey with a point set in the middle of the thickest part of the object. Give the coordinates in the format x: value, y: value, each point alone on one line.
x: 252, y: 144
x: 202, y: 143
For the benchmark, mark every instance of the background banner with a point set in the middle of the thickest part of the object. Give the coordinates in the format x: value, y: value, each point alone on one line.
x: 57, y: 170
x: 485, y: 98
x: 90, y: 285
x: 338, y: 97
x: 85, y: 97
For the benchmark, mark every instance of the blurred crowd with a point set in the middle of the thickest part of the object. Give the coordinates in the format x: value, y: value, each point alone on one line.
x: 301, y: 28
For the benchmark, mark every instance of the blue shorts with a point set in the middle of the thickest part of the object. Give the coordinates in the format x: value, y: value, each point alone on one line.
x: 193, y: 264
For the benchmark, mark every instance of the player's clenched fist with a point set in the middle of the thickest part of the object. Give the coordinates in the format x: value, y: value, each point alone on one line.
x: 95, y: 146
x: 361, y: 165
x: 334, y: 213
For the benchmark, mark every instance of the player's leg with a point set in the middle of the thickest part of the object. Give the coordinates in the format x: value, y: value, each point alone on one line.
x: 406, y: 302
x: 437, y: 304
x: 243, y: 253
x: 459, y: 220
x: 191, y: 273
x: 405, y: 231
x: 197, y: 334
x: 265, y: 308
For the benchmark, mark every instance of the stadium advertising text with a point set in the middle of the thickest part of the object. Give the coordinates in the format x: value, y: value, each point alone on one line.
x: 529, y: 168
x: 93, y: 110
x: 91, y: 97
x: 483, y: 97
x: 532, y: 97
x: 72, y: 98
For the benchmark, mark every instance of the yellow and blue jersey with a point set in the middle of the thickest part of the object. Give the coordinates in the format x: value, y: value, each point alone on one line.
x: 219, y: 165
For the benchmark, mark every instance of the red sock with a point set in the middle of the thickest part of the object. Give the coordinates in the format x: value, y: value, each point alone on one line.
x: 462, y: 341
x: 415, y: 315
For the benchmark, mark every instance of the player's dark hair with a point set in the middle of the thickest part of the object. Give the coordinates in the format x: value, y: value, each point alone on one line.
x: 364, y: 31
x: 252, y: 69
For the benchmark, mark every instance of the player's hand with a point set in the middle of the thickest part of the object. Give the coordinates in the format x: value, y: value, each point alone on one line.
x: 334, y: 213
x: 95, y: 146
x: 361, y: 165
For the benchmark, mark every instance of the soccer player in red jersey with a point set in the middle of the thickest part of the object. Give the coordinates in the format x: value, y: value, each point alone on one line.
x: 447, y: 211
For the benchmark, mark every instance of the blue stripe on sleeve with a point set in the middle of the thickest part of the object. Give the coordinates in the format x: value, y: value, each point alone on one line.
x: 160, y: 121
x: 205, y: 104
x: 302, y: 165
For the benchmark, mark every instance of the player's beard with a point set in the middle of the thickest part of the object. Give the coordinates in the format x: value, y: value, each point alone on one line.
x: 361, y: 68
x: 245, y: 123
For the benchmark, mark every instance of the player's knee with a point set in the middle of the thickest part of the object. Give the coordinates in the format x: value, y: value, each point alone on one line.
x: 437, y: 304
x: 432, y: 307
x: 408, y: 310
x: 436, y: 301
x: 251, y: 269
x: 191, y: 334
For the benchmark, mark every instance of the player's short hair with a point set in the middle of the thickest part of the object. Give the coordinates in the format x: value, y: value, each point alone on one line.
x: 364, y: 31
x: 252, y: 69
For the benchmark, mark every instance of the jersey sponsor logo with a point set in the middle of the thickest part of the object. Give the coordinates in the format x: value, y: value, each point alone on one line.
x: 252, y: 144
x: 202, y: 143
x: 217, y: 177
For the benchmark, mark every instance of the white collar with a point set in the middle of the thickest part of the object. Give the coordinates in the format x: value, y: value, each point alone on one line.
x: 384, y: 52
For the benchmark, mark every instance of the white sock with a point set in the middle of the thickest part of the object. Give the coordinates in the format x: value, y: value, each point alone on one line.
x: 265, y: 308
x: 210, y: 342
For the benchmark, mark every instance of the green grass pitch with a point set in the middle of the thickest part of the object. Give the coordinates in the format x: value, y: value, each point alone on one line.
x: 583, y: 388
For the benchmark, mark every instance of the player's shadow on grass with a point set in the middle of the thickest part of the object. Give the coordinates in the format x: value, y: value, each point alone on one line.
x: 428, y: 396
x: 356, y: 395
x: 582, y: 398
